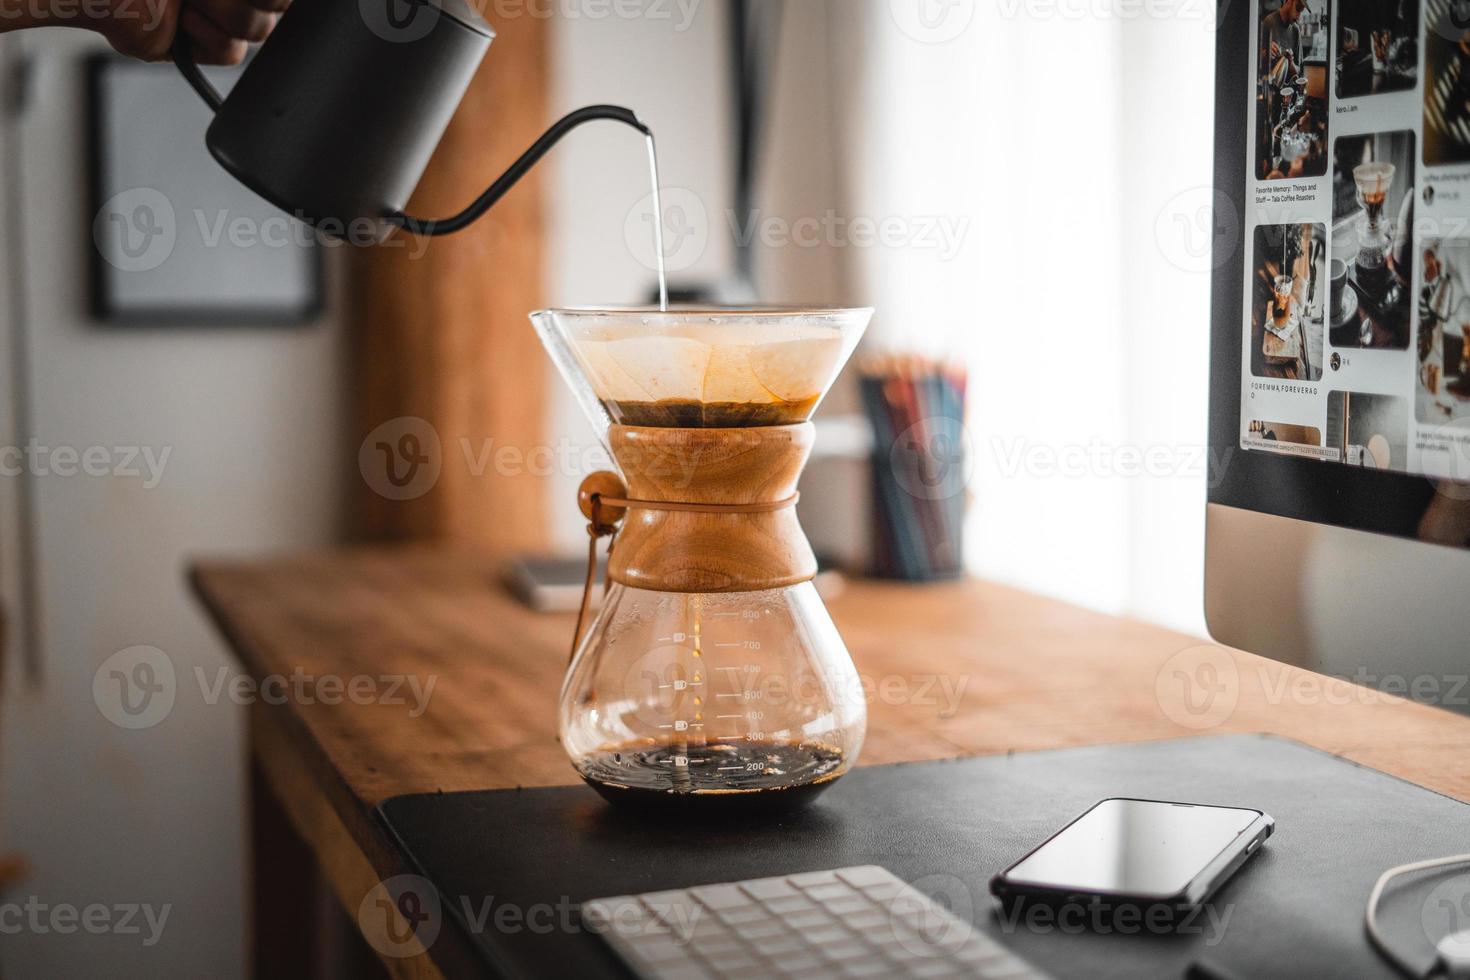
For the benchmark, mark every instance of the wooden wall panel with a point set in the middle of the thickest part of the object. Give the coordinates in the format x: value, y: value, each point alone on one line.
x: 439, y: 326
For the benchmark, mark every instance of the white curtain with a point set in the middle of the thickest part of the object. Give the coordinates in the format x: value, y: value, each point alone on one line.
x: 1066, y: 148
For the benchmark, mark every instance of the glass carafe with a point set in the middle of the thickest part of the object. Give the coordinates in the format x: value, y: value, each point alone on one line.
x: 712, y: 677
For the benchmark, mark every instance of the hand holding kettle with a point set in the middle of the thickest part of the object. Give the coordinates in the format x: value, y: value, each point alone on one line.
x: 334, y: 120
x: 218, y: 31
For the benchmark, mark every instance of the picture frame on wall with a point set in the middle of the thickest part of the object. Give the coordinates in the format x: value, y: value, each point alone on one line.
x: 174, y: 239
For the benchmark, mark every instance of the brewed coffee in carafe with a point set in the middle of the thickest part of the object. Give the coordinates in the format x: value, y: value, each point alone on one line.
x: 744, y: 700
x: 712, y: 679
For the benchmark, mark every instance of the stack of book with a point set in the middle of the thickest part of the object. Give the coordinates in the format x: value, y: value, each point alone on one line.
x: 916, y: 406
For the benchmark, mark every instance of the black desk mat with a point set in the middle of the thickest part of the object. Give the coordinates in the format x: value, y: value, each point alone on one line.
x: 1294, y: 910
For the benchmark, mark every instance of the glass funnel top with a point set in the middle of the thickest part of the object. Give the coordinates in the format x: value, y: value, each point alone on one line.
x: 701, y: 368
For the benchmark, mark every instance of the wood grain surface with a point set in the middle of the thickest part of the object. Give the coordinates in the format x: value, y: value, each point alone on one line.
x: 1020, y: 671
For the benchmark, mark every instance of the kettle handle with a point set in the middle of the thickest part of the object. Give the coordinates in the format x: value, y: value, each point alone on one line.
x: 183, y: 54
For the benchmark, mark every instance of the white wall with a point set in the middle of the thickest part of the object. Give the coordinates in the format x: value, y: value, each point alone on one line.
x: 1063, y: 144
x: 252, y: 419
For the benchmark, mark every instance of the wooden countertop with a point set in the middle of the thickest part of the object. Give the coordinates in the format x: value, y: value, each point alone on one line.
x: 956, y: 669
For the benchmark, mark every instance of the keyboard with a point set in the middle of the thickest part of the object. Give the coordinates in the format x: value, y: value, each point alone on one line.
x: 850, y: 922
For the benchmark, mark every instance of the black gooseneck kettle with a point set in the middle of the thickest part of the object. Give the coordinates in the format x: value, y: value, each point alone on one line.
x: 335, y: 117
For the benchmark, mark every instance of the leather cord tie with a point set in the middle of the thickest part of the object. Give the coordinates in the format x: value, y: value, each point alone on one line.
x: 599, y: 528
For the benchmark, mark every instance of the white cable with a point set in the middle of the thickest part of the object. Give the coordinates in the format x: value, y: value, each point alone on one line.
x: 1370, y: 921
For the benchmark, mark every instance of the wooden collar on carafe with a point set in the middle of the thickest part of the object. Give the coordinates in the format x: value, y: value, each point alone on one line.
x: 703, y: 510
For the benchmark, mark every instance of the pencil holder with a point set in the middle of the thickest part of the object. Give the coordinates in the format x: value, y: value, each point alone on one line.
x: 919, y: 471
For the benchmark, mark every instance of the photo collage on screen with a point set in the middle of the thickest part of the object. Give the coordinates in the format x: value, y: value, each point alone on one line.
x: 1356, y: 340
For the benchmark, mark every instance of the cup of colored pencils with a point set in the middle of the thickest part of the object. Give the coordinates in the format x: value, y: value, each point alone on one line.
x: 916, y: 407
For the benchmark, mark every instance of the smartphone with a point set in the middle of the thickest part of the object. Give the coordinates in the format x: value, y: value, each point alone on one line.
x: 1127, y: 853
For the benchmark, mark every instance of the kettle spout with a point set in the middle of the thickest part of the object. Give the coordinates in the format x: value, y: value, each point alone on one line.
x: 517, y: 170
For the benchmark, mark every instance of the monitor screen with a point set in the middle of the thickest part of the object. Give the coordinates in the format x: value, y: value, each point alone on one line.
x: 1355, y: 339
x: 1338, y: 519
x: 1350, y: 346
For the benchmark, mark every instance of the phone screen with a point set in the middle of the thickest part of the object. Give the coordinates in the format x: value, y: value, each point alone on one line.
x: 1134, y: 847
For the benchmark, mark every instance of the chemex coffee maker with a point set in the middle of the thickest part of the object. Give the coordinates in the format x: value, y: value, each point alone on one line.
x: 1375, y: 233
x: 712, y: 680
x: 336, y: 116
x: 712, y: 677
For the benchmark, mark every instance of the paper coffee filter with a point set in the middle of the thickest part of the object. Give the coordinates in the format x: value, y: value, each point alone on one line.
x: 725, y: 363
x: 696, y: 359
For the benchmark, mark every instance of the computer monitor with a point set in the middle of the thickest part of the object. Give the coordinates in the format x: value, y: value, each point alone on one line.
x: 1338, y: 523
